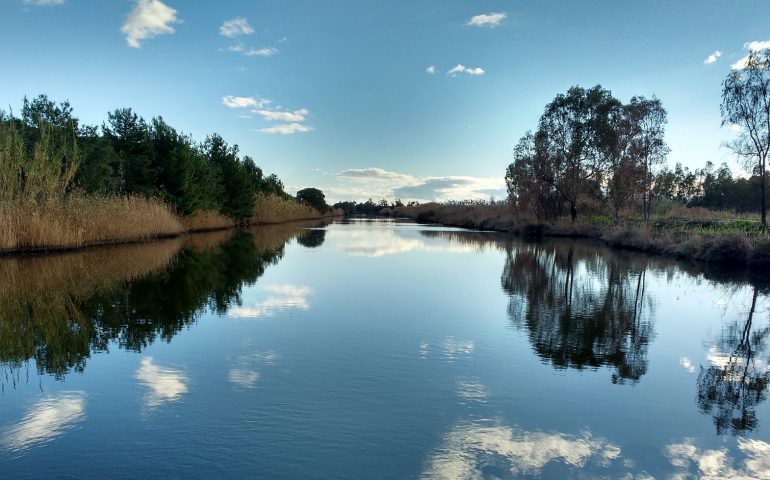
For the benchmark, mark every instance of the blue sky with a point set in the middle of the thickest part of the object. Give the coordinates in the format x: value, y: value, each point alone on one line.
x: 340, y: 94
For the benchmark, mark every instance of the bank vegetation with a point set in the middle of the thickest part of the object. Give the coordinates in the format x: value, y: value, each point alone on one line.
x: 66, y: 186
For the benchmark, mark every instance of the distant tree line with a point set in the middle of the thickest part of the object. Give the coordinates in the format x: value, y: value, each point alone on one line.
x: 129, y: 155
x: 370, y: 207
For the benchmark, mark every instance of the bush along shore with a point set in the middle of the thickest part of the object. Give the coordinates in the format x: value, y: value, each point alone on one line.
x: 65, y: 186
x: 682, y: 232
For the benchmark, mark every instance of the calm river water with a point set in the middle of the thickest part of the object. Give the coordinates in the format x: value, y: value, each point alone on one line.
x: 380, y: 349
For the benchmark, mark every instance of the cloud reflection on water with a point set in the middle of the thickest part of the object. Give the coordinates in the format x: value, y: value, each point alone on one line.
x: 280, y: 297
x: 164, y: 384
x: 246, y: 372
x: 49, y: 418
x: 471, y: 449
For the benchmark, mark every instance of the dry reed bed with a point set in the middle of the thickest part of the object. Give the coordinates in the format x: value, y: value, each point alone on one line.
x: 79, y: 221
x: 274, y: 209
x: 202, y: 220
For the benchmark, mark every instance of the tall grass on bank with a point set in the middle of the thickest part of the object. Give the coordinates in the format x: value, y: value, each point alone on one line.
x: 77, y: 221
x: 201, y: 220
x: 276, y: 209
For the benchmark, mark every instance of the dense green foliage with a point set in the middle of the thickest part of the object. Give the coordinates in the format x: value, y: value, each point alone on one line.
x: 313, y: 197
x: 128, y: 155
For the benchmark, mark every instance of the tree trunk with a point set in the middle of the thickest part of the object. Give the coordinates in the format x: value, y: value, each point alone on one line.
x: 763, y: 207
x: 573, y: 211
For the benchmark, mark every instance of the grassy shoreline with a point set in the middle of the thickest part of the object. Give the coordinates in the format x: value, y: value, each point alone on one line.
x: 78, y: 222
x: 699, y: 234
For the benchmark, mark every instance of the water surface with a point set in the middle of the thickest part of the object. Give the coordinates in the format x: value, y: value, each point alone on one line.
x: 380, y: 349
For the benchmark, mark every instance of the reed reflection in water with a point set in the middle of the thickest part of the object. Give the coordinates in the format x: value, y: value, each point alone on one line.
x: 60, y: 309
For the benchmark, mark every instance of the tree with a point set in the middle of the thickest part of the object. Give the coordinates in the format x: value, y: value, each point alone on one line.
x: 130, y: 138
x: 746, y: 103
x: 579, y: 131
x: 643, y: 149
x: 238, y: 191
x: 313, y: 197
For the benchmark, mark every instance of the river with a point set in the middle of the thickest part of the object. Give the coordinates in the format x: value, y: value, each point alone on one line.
x: 380, y: 349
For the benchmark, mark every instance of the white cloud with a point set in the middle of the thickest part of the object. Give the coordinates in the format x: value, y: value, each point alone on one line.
x: 235, y: 27
x: 287, y: 129
x: 149, y: 18
x: 489, y: 20
x: 713, y: 57
x: 751, y: 47
x: 252, y: 52
x: 261, y: 52
x: 283, y: 40
x: 374, y: 174
x: 460, y: 68
x: 44, y: 3
x: 378, y: 183
x: 452, y: 188
x: 164, y: 384
x: 280, y: 297
x: 431, y: 69
x: 48, y: 419
x: 295, y: 116
x: 231, y: 101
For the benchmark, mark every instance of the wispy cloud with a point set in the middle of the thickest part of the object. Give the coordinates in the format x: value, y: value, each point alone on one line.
x: 44, y: 3
x: 295, y: 116
x: 231, y: 101
x: 235, y: 27
x: 287, y: 129
x: 712, y: 58
x: 261, y: 52
x: 375, y: 182
x: 252, y: 52
x: 374, y: 174
x: 754, y: 46
x: 460, y: 68
x: 431, y: 69
x: 148, y: 19
x: 489, y: 20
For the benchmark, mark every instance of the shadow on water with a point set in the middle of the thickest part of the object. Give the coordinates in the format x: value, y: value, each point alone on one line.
x: 58, y: 310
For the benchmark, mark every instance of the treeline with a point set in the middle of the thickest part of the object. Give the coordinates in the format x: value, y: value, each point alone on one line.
x: 123, y: 156
x: 369, y: 207
x: 708, y: 187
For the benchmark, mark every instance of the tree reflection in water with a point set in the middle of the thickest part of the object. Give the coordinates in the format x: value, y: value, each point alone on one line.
x: 58, y: 310
x: 582, y: 308
x: 737, y: 379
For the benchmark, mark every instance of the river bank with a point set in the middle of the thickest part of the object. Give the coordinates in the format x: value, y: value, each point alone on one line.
x: 696, y: 235
x: 81, y: 221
